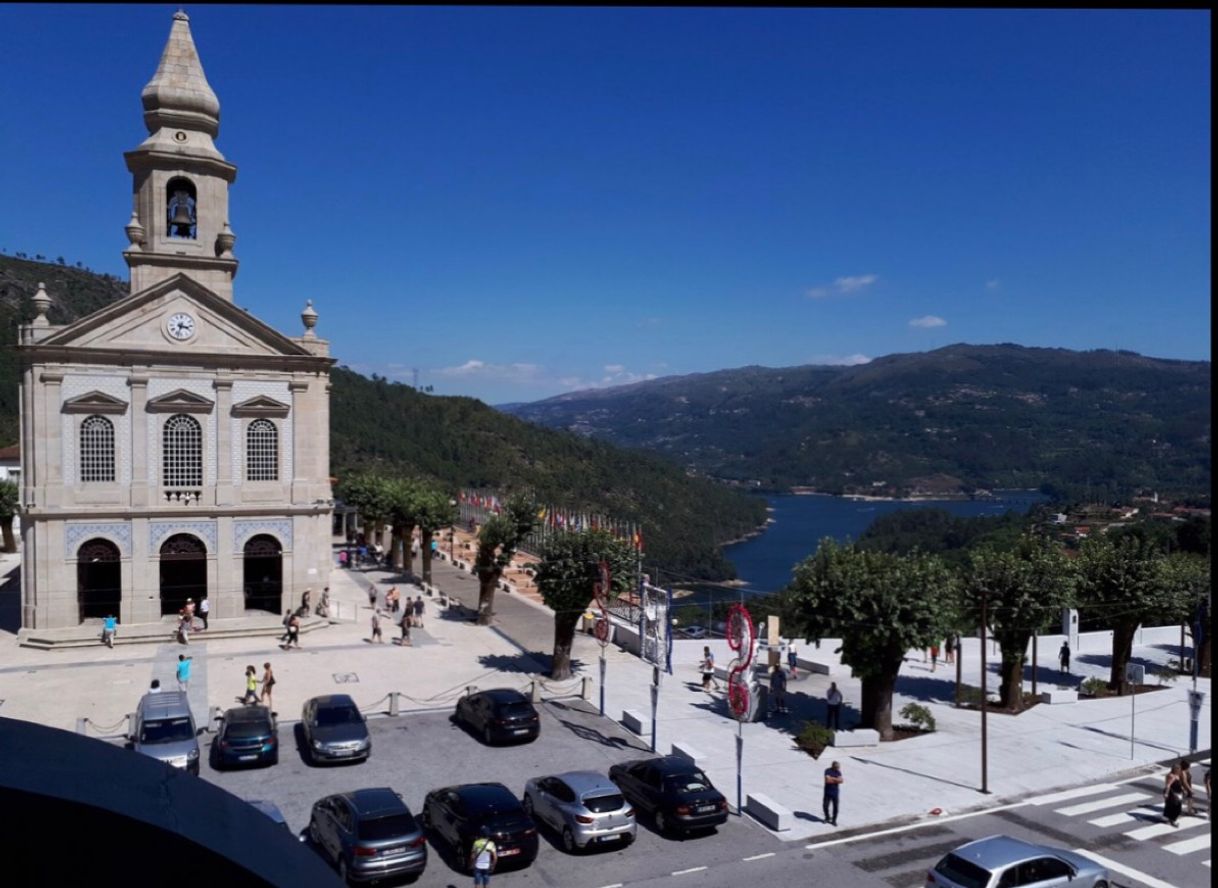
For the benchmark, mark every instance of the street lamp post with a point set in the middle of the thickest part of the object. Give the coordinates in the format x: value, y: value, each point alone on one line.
x: 452, y: 535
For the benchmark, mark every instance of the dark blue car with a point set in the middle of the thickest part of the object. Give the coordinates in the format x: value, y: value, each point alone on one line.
x: 248, y: 736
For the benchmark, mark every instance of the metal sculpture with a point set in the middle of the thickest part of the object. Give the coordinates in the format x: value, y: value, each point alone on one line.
x: 740, y: 637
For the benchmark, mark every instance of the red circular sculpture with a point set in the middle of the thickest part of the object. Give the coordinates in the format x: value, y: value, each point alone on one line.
x: 740, y: 636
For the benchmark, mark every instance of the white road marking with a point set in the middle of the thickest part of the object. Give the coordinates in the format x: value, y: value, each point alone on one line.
x: 758, y: 856
x: 1077, y: 792
x: 1188, y: 846
x: 919, y: 825
x: 1101, y: 804
x: 614, y: 885
x: 692, y: 869
x: 1164, y: 829
x: 1205, y: 863
x: 1126, y: 871
x: 1128, y: 816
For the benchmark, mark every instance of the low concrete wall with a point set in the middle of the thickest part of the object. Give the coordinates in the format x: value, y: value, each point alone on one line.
x: 767, y: 812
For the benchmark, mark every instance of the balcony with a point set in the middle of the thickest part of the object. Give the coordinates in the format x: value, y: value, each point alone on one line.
x: 181, y: 496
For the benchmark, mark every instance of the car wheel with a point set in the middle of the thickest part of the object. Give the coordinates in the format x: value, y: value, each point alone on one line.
x: 486, y: 735
x: 342, y: 870
x: 661, y: 823
x: 425, y: 818
x: 568, y: 840
x: 314, y: 835
x: 528, y: 806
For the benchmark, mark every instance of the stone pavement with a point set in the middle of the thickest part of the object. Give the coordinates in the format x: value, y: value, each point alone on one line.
x: 1046, y: 748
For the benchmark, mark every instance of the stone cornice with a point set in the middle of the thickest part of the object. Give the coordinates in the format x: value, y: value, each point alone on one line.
x: 94, y: 402
x: 180, y: 260
x: 150, y: 158
x: 183, y: 513
x: 261, y: 405
x: 112, y: 357
x: 179, y: 401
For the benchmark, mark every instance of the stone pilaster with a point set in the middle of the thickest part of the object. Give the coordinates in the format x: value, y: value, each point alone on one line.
x: 138, y: 445
x: 52, y: 439
x: 302, y: 450
x: 224, y: 442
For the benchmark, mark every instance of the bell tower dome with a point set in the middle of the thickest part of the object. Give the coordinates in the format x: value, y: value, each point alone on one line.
x: 180, y: 179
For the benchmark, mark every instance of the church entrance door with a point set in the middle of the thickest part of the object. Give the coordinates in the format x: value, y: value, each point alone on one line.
x: 183, y: 572
x: 263, y: 574
x: 99, y: 575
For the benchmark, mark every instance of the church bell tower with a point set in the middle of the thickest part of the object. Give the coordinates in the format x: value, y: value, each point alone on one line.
x: 179, y: 222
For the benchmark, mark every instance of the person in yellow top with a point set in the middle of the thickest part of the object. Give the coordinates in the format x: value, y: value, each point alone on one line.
x: 482, y: 857
x: 251, y: 686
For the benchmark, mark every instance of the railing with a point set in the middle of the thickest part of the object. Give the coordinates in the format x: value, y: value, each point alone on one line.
x: 181, y: 496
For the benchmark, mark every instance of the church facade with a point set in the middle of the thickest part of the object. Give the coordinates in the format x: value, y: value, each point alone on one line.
x: 173, y: 446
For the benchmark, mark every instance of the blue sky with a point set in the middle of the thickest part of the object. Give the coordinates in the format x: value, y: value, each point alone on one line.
x: 520, y: 202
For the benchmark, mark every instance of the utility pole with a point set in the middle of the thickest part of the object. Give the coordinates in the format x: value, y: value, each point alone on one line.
x: 985, y: 780
x: 1034, y: 636
x: 959, y: 668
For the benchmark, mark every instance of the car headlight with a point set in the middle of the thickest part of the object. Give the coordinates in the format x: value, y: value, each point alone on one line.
x: 193, y: 754
x: 317, y: 744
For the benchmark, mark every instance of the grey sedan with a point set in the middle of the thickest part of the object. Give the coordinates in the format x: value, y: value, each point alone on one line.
x: 334, y: 730
x: 1004, y: 862
x: 585, y: 807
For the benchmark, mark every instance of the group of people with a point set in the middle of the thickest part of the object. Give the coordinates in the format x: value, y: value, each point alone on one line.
x: 1178, y: 793
x: 950, y: 645
x: 252, y: 694
x: 412, y: 614
x: 186, y: 618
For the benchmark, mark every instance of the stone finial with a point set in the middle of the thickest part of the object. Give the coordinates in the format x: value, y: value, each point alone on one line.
x: 135, y: 231
x: 181, y: 16
x: 308, y: 317
x: 224, y: 242
x: 41, y: 303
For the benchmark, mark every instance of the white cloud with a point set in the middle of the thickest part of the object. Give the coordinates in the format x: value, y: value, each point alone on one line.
x: 842, y: 286
x: 648, y: 323
x: 475, y: 369
x: 614, y: 368
x: 993, y: 284
x: 928, y: 321
x: 841, y: 360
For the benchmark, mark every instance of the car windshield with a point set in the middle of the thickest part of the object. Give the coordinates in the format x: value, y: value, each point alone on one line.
x: 337, y: 715
x: 962, y: 872
x: 683, y: 783
x: 244, y: 730
x: 515, y: 710
x: 602, y: 803
x: 169, y: 730
x: 390, y: 826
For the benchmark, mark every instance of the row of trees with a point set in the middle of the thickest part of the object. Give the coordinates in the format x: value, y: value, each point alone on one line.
x: 884, y: 604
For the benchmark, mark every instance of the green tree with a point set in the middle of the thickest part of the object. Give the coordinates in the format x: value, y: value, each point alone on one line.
x: 1025, y: 590
x: 403, y: 517
x: 498, y: 539
x: 369, y: 493
x: 1190, y: 574
x: 434, y: 508
x: 10, y: 501
x: 880, y: 605
x: 565, y: 576
x: 1130, y: 579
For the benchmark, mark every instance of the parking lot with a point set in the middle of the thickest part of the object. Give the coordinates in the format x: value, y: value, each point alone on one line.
x: 418, y: 752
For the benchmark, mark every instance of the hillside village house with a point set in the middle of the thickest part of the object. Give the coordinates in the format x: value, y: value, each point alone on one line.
x: 172, y: 445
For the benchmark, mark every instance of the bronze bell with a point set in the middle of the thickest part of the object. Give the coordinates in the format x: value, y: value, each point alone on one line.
x: 181, y: 221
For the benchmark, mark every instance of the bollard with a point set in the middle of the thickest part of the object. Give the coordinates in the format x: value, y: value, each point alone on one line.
x: 394, y: 706
x: 130, y: 732
x: 81, y: 725
x: 583, y: 688
x: 534, y: 692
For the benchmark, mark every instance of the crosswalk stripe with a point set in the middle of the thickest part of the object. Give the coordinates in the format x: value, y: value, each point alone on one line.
x: 1188, y: 846
x: 1101, y: 804
x: 1137, y: 815
x: 1205, y: 863
x: 1163, y: 829
x: 1081, y: 791
x: 1126, y: 871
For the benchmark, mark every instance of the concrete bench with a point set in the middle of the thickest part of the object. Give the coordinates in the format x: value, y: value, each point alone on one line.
x: 857, y: 737
x: 635, y: 722
x: 767, y: 812
x: 1059, y: 695
x: 685, y: 751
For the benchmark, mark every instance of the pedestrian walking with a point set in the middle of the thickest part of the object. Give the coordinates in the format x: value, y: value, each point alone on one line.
x: 1064, y: 657
x: 305, y: 600
x: 792, y: 661
x: 1173, y: 796
x: 483, y: 855
x: 204, y: 610
x: 268, y: 682
x: 1209, y: 806
x: 376, y: 626
x: 184, y: 672
x: 1186, y: 786
x: 342, y: 557
x: 251, y: 686
x: 778, y: 689
x: 287, y: 622
x: 372, y: 596
x: 109, y: 630
x: 708, y: 669
x: 397, y: 599
x: 418, y: 612
x: 949, y: 649
x: 934, y: 656
x: 409, y: 609
x: 404, y: 625
x: 189, y: 610
x: 293, y: 631
x: 155, y: 687
x: 833, y: 711
x: 833, y: 780
x: 184, y: 628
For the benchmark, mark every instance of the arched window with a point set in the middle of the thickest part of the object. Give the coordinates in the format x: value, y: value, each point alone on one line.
x: 96, y: 449
x: 182, y: 452
x: 181, y: 211
x: 262, y: 451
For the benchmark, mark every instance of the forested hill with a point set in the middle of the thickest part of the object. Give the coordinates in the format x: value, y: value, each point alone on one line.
x: 1097, y: 423
x: 460, y: 441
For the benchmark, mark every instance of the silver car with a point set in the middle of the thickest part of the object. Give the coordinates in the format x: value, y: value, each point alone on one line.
x: 1004, y: 862
x: 165, y: 729
x: 586, y: 807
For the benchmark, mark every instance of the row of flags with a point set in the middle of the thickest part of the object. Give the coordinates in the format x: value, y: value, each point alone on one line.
x: 476, y: 505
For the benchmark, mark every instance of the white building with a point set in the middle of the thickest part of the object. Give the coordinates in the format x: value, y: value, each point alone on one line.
x: 173, y: 445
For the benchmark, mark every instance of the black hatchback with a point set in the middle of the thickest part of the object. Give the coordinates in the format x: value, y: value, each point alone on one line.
x: 501, y: 715
x: 679, y: 796
x: 457, y: 814
x: 248, y: 736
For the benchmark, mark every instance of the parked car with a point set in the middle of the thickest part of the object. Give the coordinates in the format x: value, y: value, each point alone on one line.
x: 585, y: 807
x: 499, y: 716
x: 248, y: 735
x: 674, y: 790
x: 369, y: 834
x: 334, y: 730
x: 693, y: 631
x: 457, y: 814
x: 1001, y: 861
x: 165, y: 729
x: 271, y: 810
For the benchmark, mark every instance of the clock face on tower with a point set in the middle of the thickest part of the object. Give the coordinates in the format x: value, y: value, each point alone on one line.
x: 180, y: 326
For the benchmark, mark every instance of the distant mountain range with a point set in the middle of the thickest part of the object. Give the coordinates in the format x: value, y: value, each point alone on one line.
x: 1095, y: 424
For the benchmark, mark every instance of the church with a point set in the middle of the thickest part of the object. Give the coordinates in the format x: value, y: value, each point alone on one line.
x: 173, y: 446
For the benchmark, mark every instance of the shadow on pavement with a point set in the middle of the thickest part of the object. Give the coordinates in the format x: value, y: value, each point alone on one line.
x: 10, y: 602
x: 527, y: 663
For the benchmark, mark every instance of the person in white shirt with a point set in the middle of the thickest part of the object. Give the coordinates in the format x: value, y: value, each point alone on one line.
x: 834, y: 701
